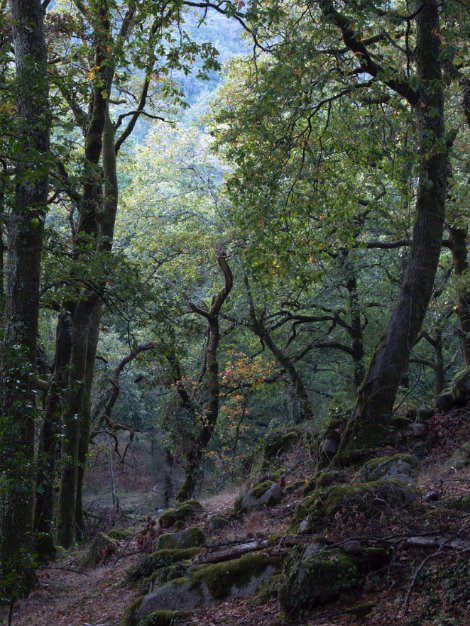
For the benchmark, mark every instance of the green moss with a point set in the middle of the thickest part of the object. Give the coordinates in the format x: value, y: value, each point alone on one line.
x: 402, y: 456
x: 181, y: 513
x: 221, y: 577
x: 128, y: 618
x: 458, y: 503
x: 367, y: 497
x: 120, y: 533
x: 189, y: 538
x: 372, y: 559
x: 327, y: 478
x: 279, y: 442
x: 164, y: 618
x: 261, y: 489
x: 160, y: 558
x: 268, y: 590
x: 316, y: 581
x: 165, y: 574
x: 101, y: 549
x: 400, y: 422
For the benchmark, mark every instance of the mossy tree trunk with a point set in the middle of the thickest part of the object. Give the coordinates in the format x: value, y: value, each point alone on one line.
x: 25, y: 236
x: 369, y: 423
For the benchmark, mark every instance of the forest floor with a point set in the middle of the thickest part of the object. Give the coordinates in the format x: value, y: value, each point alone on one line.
x: 421, y: 586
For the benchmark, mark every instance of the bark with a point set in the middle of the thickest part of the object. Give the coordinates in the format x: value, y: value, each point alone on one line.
x: 49, y: 443
x: 458, y: 246
x: 201, y: 441
x: 355, y: 326
x: 370, y: 419
x: 25, y: 234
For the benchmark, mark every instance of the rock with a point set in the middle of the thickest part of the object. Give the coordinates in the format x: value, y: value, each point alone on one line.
x: 181, y: 513
x: 425, y: 413
x: 264, y: 494
x: 351, y: 547
x: 400, y: 422
x: 330, y: 447
x: 100, y: 551
x: 400, y: 467
x: 417, y: 430
x: 368, y: 497
x: 278, y: 442
x: 161, y: 558
x: 431, y: 496
x: 209, y: 584
x: 461, y: 386
x: 444, y: 401
x: 315, y: 581
x: 328, y: 477
x: 460, y: 458
x: 217, y: 522
x: 314, y: 548
x: 120, y: 533
x: 188, y: 538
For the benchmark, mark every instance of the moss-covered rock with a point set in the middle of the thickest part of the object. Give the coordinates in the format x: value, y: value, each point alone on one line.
x: 400, y: 422
x: 368, y: 497
x: 129, y: 618
x: 217, y: 522
x: 264, y: 494
x: 120, y: 533
x: 461, y: 386
x: 164, y: 618
x: 314, y: 581
x: 402, y: 467
x: 268, y: 458
x: 444, y: 401
x: 101, y: 550
x: 208, y: 584
x: 187, y: 538
x: 278, y: 442
x: 460, y: 458
x: 328, y: 477
x: 158, y: 559
x: 181, y: 513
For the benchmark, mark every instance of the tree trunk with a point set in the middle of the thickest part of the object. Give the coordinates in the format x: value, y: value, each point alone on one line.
x: 49, y: 443
x: 201, y: 441
x: 25, y: 234
x: 369, y: 423
x: 355, y: 330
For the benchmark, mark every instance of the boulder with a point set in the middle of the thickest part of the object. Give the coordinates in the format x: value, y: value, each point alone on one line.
x: 461, y: 386
x: 217, y: 522
x: 100, y: 551
x: 417, y: 430
x: 444, y: 401
x: 180, y: 514
x: 460, y: 458
x: 319, y: 576
x: 187, y: 538
x: 402, y: 467
x: 314, y: 581
x: 208, y: 584
x: 368, y: 497
x: 159, y: 559
x: 267, y: 493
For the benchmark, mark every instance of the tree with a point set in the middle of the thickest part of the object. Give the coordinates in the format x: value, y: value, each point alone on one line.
x: 25, y: 234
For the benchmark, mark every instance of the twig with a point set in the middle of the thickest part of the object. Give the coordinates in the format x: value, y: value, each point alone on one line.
x: 418, y: 570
